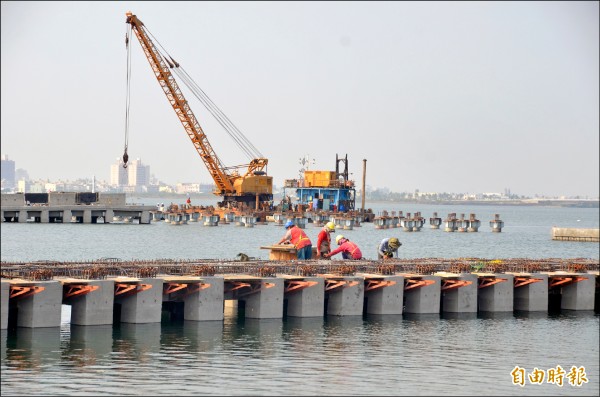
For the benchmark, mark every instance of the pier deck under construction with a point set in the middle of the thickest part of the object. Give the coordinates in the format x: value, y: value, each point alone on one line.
x: 107, y: 291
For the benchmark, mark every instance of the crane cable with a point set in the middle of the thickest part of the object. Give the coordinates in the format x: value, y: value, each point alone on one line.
x: 225, y: 122
x: 215, y: 111
x: 127, y: 95
x: 238, y: 137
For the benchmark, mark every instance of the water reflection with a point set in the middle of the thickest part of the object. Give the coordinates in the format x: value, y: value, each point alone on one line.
x: 303, y: 325
x: 263, y: 328
x: 3, y: 336
x: 138, y: 342
x: 88, y: 345
x: 203, y: 335
x: 32, y: 348
x: 371, y: 355
x: 458, y: 316
x: 530, y: 315
x: 495, y: 315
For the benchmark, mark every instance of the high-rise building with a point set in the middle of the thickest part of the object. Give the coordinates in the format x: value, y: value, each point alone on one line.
x: 138, y: 174
x: 118, y: 174
x: 20, y: 173
x: 8, y: 172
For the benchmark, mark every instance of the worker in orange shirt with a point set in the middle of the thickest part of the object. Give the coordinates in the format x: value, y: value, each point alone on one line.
x: 296, y: 236
x: 348, y: 249
x: 324, y: 239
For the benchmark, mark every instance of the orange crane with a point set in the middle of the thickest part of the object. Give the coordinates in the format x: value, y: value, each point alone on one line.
x: 252, y: 187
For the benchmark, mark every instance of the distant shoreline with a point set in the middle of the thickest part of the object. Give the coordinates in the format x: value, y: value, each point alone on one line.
x: 527, y: 203
x: 542, y: 202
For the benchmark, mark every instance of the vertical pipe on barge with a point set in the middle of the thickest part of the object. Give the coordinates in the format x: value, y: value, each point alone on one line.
x: 362, y: 209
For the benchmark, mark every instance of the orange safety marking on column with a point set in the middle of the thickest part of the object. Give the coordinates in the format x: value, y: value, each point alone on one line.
x: 453, y: 284
x: 522, y: 281
x: 410, y: 284
x: 375, y: 284
x: 173, y: 287
x: 256, y: 288
x: 556, y: 281
x: 333, y: 284
x: 122, y: 289
x: 23, y: 292
x: 192, y: 289
x: 489, y: 281
x: 79, y: 290
x: 143, y: 287
x: 237, y: 285
x: 295, y: 285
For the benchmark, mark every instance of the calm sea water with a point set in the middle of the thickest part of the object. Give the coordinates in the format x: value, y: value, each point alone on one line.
x: 372, y: 355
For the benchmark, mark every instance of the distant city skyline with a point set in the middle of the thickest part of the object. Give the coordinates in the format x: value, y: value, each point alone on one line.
x: 140, y: 173
x: 436, y: 96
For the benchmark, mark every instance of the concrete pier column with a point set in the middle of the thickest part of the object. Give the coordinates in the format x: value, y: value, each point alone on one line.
x: 145, y: 217
x: 22, y: 216
x: 207, y: 303
x: 425, y: 299
x: 268, y: 302
x: 42, y: 309
x: 67, y: 215
x: 496, y: 224
x: 498, y: 297
x: 462, y: 299
x: 4, y: 293
x: 579, y: 295
x: 531, y: 297
x: 87, y: 216
x: 388, y: 299
x: 45, y: 216
x: 307, y: 302
x: 144, y: 306
x: 346, y: 300
x: 96, y: 307
x: 108, y: 216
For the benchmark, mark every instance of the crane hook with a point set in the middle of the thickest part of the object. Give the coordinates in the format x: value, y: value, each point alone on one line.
x: 125, y: 158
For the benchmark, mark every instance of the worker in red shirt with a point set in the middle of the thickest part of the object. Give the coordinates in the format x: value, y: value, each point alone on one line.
x: 324, y: 239
x: 296, y: 236
x: 348, y: 249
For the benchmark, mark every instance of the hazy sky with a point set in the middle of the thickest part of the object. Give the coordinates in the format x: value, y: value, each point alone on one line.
x: 436, y: 96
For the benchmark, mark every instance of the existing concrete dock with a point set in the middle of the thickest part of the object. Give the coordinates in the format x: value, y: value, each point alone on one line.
x: 72, y: 207
x: 32, y: 294
x: 575, y: 234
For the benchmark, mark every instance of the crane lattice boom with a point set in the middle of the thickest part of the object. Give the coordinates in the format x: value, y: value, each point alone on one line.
x: 254, y: 182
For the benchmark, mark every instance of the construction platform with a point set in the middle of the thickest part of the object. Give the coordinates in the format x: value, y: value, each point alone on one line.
x: 110, y: 291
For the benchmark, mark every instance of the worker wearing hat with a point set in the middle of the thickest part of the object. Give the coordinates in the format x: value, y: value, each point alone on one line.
x: 388, y: 247
x: 324, y: 239
x: 348, y: 249
x: 296, y: 236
